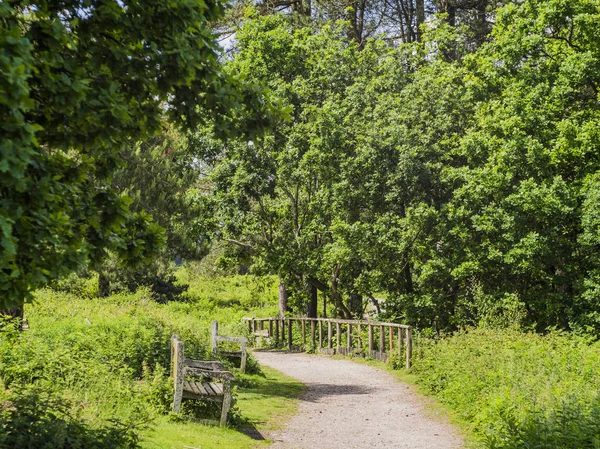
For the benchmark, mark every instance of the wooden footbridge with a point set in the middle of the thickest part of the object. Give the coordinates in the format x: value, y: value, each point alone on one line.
x: 375, y: 339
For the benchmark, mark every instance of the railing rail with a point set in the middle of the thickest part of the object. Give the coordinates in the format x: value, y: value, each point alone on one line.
x: 392, y: 337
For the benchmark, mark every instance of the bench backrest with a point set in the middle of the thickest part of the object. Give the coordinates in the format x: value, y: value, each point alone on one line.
x: 216, y: 338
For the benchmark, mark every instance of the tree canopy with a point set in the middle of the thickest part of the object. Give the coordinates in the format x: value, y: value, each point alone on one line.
x: 459, y: 179
x: 80, y: 81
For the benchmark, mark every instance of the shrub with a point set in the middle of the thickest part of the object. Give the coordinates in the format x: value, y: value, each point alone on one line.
x: 518, y: 390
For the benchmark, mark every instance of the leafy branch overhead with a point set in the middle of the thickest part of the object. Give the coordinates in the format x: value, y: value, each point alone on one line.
x: 80, y: 81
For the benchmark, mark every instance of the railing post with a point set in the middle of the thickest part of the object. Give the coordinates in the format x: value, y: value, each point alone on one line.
x: 276, y: 332
x: 337, y: 337
x: 408, y: 347
x: 253, y: 325
x: 289, y: 334
x: 358, y: 337
x: 312, y: 333
x: 349, y: 337
x: 399, y: 344
x: 370, y: 340
x: 328, y: 334
x: 391, y: 338
x: 250, y: 320
x: 381, y: 340
x: 303, y: 332
x: 270, y: 327
x: 320, y: 335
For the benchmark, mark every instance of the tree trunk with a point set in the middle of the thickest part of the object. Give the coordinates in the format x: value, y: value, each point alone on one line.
x: 283, y: 299
x: 312, y: 301
x: 16, y: 313
x: 420, y: 18
x: 103, y: 285
x: 356, y: 304
x: 408, y: 281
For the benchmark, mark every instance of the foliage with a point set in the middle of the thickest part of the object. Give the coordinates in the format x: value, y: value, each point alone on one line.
x: 518, y: 390
x: 459, y: 180
x: 79, y: 82
x: 29, y: 418
x: 96, y: 370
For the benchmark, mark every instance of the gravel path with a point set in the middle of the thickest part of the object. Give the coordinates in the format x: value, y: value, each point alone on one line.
x: 352, y: 405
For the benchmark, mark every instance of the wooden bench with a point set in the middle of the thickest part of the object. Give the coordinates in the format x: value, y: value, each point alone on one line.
x: 214, y: 382
x: 242, y: 341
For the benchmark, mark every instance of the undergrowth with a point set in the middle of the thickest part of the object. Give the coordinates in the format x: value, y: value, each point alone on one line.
x: 519, y: 391
x: 94, y: 373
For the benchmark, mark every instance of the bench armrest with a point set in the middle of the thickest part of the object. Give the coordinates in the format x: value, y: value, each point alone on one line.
x: 231, y: 339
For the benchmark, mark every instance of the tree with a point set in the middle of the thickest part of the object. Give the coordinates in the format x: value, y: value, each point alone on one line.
x: 276, y: 196
x: 79, y: 81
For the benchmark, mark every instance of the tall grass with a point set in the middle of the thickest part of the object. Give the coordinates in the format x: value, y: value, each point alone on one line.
x: 518, y: 390
x: 91, y: 373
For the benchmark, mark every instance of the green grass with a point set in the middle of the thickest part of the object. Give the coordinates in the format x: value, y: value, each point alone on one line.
x: 265, y: 405
x: 93, y: 373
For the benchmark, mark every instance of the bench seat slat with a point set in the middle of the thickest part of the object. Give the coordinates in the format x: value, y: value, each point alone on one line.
x: 218, y: 388
x: 208, y: 388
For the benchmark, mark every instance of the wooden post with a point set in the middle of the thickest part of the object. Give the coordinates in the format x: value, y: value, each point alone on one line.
x: 381, y: 340
x: 408, y: 347
x: 270, y: 327
x: 328, y: 334
x: 399, y: 344
x: 227, y: 399
x: 320, y: 334
x: 312, y: 333
x: 262, y: 325
x: 253, y: 325
x: 391, y: 338
x: 214, y: 332
x: 349, y: 337
x: 276, y: 332
x: 244, y: 356
x: 337, y: 337
x: 282, y: 322
x: 303, y: 333
x: 358, y: 337
x: 289, y: 334
x: 370, y: 339
x: 178, y: 373
x: 250, y: 325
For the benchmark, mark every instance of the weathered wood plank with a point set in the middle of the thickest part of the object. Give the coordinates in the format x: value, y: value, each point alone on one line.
x: 217, y: 388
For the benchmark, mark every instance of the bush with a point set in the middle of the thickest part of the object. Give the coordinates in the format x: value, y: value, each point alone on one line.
x: 33, y: 418
x: 518, y: 390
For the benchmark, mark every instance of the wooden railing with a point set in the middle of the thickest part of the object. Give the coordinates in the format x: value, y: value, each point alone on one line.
x: 383, y: 339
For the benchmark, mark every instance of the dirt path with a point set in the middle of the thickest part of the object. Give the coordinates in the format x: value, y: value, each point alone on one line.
x: 352, y: 405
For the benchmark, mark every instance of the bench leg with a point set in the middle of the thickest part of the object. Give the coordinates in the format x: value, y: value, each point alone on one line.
x: 243, y: 361
x: 226, y: 403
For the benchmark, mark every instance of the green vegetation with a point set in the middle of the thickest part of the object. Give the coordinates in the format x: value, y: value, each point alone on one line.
x: 517, y: 390
x: 93, y: 373
x: 458, y: 177
x: 441, y: 154
x: 79, y: 82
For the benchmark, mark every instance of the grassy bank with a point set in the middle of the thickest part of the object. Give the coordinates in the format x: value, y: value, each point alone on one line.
x: 93, y: 373
x: 517, y: 390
